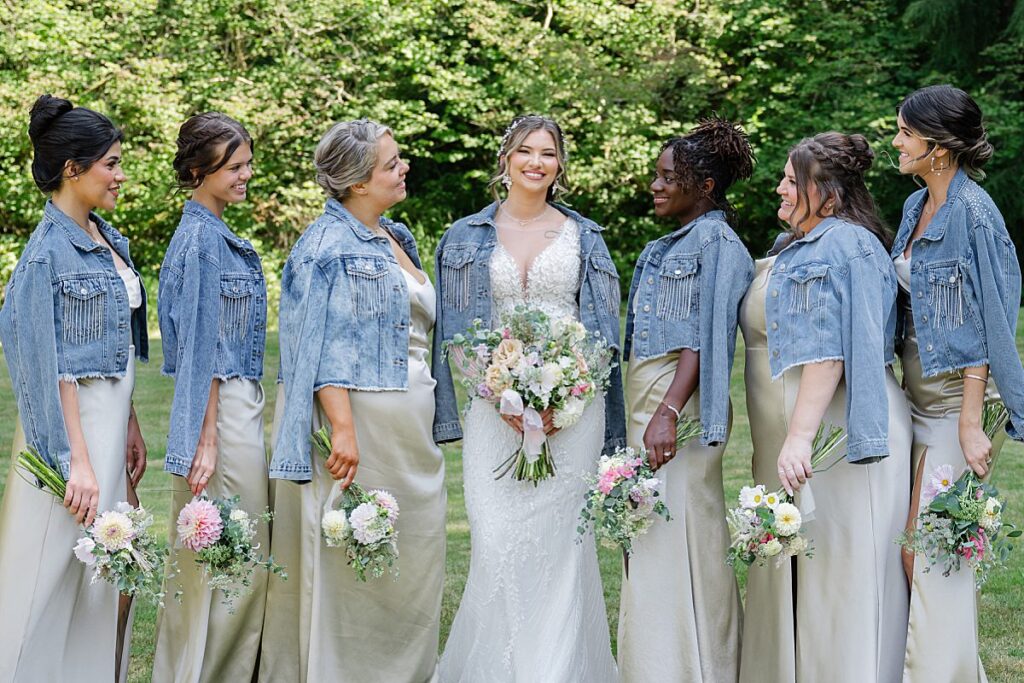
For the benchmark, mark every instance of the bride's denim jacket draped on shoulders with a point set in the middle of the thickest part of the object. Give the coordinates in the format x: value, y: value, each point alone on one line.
x: 832, y: 296
x: 66, y: 317
x: 344, y: 323
x: 464, y: 294
x: 685, y: 294
x: 212, y: 308
x: 965, y: 284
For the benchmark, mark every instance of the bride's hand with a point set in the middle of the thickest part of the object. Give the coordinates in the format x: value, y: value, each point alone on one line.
x: 513, y: 421
x: 548, y: 416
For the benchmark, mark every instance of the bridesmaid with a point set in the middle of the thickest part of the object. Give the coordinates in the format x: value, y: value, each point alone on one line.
x: 213, y: 311
x: 356, y: 313
x: 680, y: 611
x: 74, y: 316
x: 820, y: 319
x: 960, y: 287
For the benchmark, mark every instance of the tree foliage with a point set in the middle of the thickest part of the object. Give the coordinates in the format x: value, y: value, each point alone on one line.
x: 447, y: 75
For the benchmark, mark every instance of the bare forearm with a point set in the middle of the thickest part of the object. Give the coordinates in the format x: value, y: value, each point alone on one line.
x: 209, y: 431
x: 685, y: 380
x: 73, y: 420
x: 336, y: 404
x: 974, y: 395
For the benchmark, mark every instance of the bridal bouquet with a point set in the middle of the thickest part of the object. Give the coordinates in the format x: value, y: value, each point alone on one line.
x: 118, y: 545
x: 221, y: 535
x: 526, y: 365
x: 962, y: 521
x: 766, y: 524
x: 623, y: 500
x: 363, y: 523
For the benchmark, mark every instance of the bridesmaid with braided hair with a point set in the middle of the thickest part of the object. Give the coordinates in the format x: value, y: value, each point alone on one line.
x: 213, y: 315
x: 680, y: 611
x: 818, y: 325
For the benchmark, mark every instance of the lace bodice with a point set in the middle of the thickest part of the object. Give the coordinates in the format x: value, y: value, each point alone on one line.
x: 552, y: 280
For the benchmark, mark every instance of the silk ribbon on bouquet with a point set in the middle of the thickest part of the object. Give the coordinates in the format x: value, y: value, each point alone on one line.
x: 533, y: 424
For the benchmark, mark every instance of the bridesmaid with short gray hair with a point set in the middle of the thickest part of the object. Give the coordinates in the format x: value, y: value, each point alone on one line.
x: 356, y: 314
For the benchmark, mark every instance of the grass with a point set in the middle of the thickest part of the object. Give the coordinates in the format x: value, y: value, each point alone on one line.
x: 1002, y: 604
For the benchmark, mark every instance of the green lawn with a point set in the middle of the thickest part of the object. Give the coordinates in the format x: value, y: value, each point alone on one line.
x: 1002, y: 611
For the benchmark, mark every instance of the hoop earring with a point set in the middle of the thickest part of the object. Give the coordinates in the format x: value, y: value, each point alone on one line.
x: 506, y: 180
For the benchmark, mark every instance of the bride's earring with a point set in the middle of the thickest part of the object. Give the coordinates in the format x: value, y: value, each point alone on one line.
x: 506, y: 180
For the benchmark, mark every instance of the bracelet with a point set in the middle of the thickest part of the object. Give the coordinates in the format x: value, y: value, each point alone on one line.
x: 673, y: 409
x: 968, y: 375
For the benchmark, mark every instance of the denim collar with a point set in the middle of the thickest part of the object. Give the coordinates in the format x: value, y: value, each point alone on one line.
x: 78, y: 237
x: 817, y: 232
x: 196, y: 209
x: 937, y: 227
x: 486, y: 216
x: 714, y: 214
x: 338, y: 210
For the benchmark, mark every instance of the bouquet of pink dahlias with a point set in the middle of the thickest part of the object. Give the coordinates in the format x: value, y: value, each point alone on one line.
x: 118, y: 545
x: 623, y: 500
x: 362, y: 522
x: 526, y: 365
x: 221, y: 535
x: 766, y: 524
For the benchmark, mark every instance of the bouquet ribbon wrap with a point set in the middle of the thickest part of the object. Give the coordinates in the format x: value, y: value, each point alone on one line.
x: 805, y: 502
x: 533, y: 424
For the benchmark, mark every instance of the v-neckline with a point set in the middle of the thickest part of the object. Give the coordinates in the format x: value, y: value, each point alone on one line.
x: 524, y: 284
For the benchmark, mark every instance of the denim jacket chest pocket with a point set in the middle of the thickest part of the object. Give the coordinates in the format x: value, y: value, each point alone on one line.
x: 456, y: 266
x: 679, y: 287
x: 368, y: 282
x: 84, y: 308
x: 946, y: 296
x: 807, y: 287
x: 606, y: 278
x: 238, y: 297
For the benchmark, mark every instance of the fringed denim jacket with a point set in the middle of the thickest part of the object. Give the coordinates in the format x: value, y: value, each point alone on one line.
x: 212, y: 307
x: 66, y: 317
x: 832, y: 296
x: 685, y: 294
x: 464, y: 294
x: 965, y: 287
x: 344, y: 323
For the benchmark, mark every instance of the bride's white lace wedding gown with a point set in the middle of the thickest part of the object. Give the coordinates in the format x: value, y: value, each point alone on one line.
x: 533, y: 608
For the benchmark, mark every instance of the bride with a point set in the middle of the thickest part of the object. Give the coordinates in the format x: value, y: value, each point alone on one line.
x: 533, y: 608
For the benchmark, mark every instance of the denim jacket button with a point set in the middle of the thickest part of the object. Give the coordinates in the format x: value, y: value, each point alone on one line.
x: 84, y: 290
x: 590, y: 307
x: 924, y: 318
x: 647, y: 307
x: 644, y: 334
x: 952, y: 278
x: 235, y: 288
x: 928, y: 348
x: 678, y: 272
x: 782, y: 267
x: 775, y: 293
x: 650, y: 280
x: 775, y: 326
x: 775, y: 353
x: 920, y: 295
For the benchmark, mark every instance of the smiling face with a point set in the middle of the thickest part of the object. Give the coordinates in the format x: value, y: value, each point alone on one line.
x: 386, y: 186
x: 229, y: 183
x: 794, y: 205
x: 672, y: 198
x: 99, y: 186
x: 915, y: 152
x: 533, y: 165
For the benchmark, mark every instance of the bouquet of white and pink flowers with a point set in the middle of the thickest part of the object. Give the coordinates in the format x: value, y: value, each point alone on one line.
x: 767, y: 524
x: 962, y: 519
x: 623, y: 500
x: 528, y: 364
x: 362, y: 522
x: 118, y: 545
x: 221, y: 535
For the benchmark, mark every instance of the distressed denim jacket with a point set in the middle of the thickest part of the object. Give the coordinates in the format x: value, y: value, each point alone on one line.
x: 344, y: 323
x: 965, y: 285
x: 464, y: 294
x: 832, y: 296
x: 686, y: 294
x: 212, y: 307
x: 66, y: 317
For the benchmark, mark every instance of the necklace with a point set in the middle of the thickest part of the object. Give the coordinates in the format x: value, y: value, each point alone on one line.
x: 523, y: 222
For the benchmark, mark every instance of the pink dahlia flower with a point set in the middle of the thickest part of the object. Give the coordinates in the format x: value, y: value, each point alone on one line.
x: 199, y: 525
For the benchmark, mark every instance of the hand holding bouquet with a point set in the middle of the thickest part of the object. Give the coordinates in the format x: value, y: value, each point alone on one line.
x: 221, y: 535
x: 531, y: 363
x: 623, y: 501
x: 118, y: 545
x: 362, y: 522
x: 767, y: 525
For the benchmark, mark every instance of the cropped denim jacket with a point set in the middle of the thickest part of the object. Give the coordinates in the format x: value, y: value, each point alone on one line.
x: 66, y: 317
x: 464, y: 294
x: 685, y: 294
x: 965, y: 285
x: 344, y: 323
x: 212, y: 307
x: 832, y: 296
